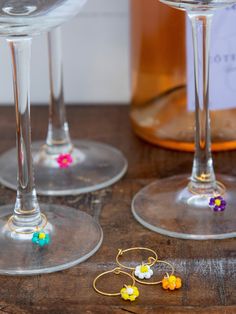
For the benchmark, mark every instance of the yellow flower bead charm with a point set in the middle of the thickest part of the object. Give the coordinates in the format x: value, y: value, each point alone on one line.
x: 171, y: 282
x: 129, y: 293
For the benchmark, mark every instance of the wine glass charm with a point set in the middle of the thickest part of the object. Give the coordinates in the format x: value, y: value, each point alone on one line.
x: 127, y: 292
x: 217, y: 203
x: 143, y: 270
x: 39, y: 236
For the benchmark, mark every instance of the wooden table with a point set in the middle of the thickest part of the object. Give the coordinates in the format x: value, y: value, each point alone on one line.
x: 208, y: 268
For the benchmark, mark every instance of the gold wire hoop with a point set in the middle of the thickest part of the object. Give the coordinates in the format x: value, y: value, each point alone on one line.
x: 151, y: 260
x: 115, y: 271
x: 44, y: 217
x: 22, y: 211
x: 155, y: 282
x: 58, y: 143
x: 221, y: 185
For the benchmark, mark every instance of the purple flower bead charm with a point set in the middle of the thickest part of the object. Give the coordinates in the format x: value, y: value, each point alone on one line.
x: 217, y: 204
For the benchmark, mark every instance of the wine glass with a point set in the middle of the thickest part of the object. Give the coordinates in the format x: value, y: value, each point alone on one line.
x: 88, y: 165
x: 199, y: 207
x: 59, y: 237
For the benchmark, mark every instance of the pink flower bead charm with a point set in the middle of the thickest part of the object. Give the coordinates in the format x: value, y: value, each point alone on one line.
x: 64, y: 160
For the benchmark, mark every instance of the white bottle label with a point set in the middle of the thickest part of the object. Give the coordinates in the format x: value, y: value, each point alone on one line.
x: 222, y: 88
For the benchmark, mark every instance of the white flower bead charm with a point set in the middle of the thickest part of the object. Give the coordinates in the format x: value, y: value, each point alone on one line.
x: 143, y: 271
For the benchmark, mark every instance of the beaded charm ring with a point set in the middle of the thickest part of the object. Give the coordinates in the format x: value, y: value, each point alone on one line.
x: 127, y: 292
x: 64, y: 160
x: 217, y: 203
x: 144, y: 270
x: 153, y: 282
x: 39, y: 236
x: 171, y: 282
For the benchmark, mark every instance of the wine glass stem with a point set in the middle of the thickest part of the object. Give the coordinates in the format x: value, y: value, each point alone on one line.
x: 27, y: 211
x: 203, y: 176
x: 58, y: 137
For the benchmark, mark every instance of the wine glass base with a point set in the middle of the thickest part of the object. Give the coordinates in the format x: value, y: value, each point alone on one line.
x: 75, y: 236
x: 167, y: 207
x: 96, y: 166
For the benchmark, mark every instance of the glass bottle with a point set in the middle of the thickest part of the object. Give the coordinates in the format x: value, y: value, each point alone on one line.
x: 161, y: 110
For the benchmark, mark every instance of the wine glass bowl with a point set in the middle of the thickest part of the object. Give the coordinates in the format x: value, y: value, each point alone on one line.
x: 198, y: 6
x: 32, y: 17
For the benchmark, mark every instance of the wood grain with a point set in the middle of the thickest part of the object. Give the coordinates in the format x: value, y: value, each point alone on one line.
x: 208, y: 268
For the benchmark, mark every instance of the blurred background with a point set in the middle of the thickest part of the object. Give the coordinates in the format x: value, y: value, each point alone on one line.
x: 112, y: 40
x: 95, y: 56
